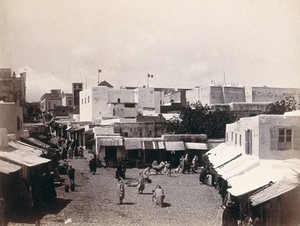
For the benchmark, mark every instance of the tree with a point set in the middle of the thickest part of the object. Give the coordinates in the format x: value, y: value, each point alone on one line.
x: 198, y: 119
x: 280, y: 107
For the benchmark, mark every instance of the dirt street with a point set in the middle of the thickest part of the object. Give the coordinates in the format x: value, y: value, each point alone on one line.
x: 94, y: 201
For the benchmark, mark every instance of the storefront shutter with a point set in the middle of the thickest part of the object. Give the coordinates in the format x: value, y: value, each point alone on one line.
x: 273, y: 139
x: 296, y: 139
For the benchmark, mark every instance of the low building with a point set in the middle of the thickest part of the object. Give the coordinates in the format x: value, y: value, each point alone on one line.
x: 272, y: 94
x: 259, y: 165
x: 56, y: 98
x: 11, y: 118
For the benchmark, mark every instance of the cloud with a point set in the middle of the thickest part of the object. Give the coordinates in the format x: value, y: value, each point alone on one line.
x: 38, y: 84
x: 182, y: 43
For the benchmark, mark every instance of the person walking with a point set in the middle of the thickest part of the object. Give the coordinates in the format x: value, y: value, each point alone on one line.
x: 121, y: 190
x: 71, y: 173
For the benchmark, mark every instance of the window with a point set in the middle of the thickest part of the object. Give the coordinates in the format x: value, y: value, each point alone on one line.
x: 240, y: 140
x: 82, y: 101
x: 227, y: 136
x: 85, y: 100
x: 119, y: 100
x: 88, y: 99
x: 284, y: 139
x: 235, y: 139
x: 129, y: 105
x: 231, y: 136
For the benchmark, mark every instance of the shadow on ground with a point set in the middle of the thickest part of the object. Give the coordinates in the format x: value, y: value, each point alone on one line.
x: 36, y: 214
x: 165, y: 204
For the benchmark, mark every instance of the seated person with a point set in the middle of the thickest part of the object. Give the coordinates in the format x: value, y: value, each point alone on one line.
x: 158, y: 196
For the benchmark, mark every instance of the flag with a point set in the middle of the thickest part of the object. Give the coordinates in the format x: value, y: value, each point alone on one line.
x: 99, y: 70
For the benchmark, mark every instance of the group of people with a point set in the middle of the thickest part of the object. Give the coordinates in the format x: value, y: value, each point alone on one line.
x: 69, y: 149
x: 186, y: 165
x: 158, y: 194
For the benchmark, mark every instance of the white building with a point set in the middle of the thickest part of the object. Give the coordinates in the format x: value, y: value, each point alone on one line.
x: 266, y: 136
x: 101, y: 102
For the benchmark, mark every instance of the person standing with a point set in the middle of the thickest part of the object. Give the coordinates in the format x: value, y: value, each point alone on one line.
x: 93, y: 165
x: 168, y: 169
x: 70, y: 152
x: 158, y: 196
x: 71, y: 173
x: 195, y: 164
x: 121, y: 190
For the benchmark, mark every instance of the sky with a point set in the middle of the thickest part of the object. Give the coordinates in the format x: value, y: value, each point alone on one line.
x: 182, y: 43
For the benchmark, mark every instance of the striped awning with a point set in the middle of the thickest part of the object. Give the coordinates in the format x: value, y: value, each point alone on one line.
x: 160, y: 145
x: 148, y: 145
x: 175, y: 146
x: 153, y: 144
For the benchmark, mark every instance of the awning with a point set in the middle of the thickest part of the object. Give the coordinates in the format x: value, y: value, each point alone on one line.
x: 274, y: 190
x: 91, y: 140
x: 256, y: 178
x: 88, y: 132
x: 34, y: 142
x: 150, y: 145
x: 237, y: 166
x: 111, y: 142
x: 174, y: 146
x: 196, y: 146
x: 76, y: 129
x: 42, y: 137
x: 7, y: 168
x: 132, y: 144
x: 160, y: 145
x: 18, y: 145
x: 224, y: 155
x: 215, y: 150
x: 23, y: 158
x: 68, y: 128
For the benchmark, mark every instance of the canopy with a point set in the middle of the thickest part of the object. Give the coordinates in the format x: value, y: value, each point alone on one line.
x: 7, y: 168
x: 174, y: 145
x: 274, y: 190
x: 18, y: 145
x: 23, y: 158
x: 225, y: 153
x: 196, y: 146
x: 256, y: 178
x: 132, y: 143
x: 111, y: 142
x: 237, y: 166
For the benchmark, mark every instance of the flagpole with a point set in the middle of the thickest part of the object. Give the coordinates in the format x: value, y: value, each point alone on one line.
x: 147, y: 80
x: 99, y: 71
